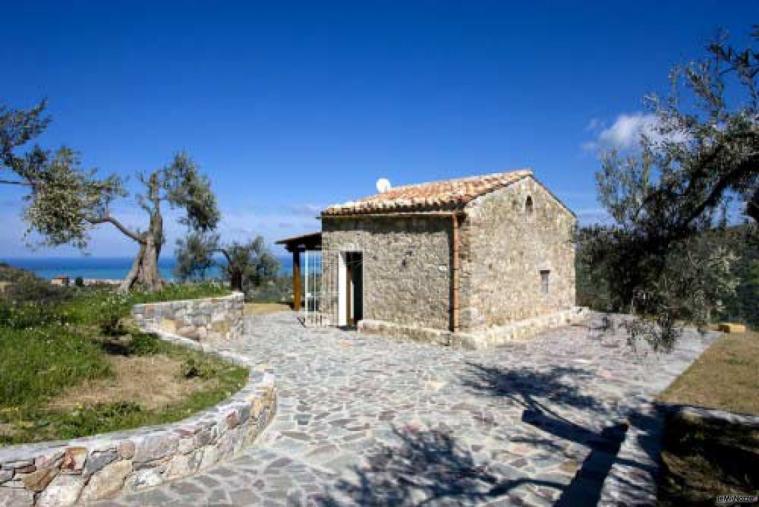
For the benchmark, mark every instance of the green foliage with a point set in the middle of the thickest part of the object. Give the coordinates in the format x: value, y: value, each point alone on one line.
x: 658, y: 259
x: 277, y: 290
x: 247, y: 266
x: 100, y: 418
x: 191, y: 191
x: 196, y: 367
x: 24, y: 286
x: 65, y: 201
x: 27, y: 315
x: 743, y: 305
x: 79, y: 281
x: 32, y: 421
x: 179, y: 291
x: 194, y: 254
x: 65, y: 197
x: 105, y: 307
x: 142, y: 344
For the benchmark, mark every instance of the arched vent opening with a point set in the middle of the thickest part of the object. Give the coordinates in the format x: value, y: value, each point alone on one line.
x: 528, y: 205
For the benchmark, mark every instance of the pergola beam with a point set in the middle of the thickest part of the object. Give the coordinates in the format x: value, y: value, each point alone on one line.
x: 296, y: 245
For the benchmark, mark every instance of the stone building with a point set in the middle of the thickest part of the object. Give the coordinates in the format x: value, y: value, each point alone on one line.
x: 473, y: 261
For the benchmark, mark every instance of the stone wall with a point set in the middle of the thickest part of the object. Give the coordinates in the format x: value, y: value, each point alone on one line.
x: 504, y: 247
x: 86, y: 469
x: 634, y: 475
x: 406, y: 266
x: 205, y: 320
x: 519, y: 330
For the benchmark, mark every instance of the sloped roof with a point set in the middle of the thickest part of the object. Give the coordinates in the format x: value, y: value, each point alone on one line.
x: 310, y: 241
x: 432, y: 196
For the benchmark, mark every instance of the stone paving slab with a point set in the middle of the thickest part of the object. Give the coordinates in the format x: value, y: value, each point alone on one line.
x: 376, y: 421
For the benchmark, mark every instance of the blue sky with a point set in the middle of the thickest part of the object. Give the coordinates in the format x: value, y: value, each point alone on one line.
x: 289, y: 107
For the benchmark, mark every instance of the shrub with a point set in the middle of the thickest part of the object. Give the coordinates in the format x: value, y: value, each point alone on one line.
x: 178, y: 291
x: 24, y: 286
x: 195, y: 367
x: 142, y: 344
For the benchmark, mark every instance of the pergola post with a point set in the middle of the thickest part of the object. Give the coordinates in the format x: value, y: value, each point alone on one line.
x: 296, y: 279
x: 295, y: 246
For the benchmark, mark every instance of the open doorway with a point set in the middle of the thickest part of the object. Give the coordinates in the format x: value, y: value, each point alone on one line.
x: 351, y: 293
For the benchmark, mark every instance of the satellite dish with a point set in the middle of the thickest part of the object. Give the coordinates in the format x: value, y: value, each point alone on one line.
x: 383, y: 185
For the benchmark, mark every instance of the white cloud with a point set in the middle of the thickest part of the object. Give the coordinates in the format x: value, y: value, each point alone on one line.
x: 626, y: 131
x: 594, y: 125
x: 623, y: 134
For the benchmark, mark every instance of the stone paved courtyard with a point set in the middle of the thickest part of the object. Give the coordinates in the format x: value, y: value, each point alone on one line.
x: 375, y: 421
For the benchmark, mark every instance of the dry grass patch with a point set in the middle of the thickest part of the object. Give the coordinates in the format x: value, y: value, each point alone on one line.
x: 724, y: 377
x: 705, y: 459
x: 265, y: 308
x: 166, y: 386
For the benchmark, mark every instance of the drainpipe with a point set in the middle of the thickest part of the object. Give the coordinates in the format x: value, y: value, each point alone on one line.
x: 455, y: 267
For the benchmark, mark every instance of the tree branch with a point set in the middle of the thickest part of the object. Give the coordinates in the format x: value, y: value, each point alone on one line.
x: 225, y: 253
x: 13, y: 182
x: 719, y: 188
x: 121, y: 227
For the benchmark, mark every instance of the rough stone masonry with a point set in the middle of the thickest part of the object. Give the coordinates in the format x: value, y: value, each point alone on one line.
x: 474, y: 262
x: 206, y: 320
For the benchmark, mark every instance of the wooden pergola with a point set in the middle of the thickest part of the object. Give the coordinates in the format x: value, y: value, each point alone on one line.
x: 296, y: 245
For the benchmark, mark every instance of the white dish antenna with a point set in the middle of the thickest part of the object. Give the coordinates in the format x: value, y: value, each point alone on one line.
x: 383, y: 185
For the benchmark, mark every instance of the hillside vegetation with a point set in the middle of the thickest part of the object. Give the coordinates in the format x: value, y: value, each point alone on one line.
x: 71, y: 364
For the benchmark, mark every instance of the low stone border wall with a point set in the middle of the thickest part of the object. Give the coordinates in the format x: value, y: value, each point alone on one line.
x: 393, y: 330
x: 520, y: 330
x: 66, y: 472
x: 633, y: 479
x: 709, y: 415
x: 209, y: 319
x: 479, y: 339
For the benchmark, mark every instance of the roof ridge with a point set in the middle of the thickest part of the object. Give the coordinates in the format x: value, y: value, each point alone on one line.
x: 430, y: 195
x: 527, y: 170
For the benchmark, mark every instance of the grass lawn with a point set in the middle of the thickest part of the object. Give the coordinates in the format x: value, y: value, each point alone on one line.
x: 704, y: 460
x: 76, y: 366
x: 724, y: 377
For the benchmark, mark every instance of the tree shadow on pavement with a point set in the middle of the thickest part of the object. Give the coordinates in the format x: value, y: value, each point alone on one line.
x: 427, y: 467
x: 542, y: 393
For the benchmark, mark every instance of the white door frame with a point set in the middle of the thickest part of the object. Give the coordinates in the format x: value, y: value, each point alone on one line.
x: 342, y: 300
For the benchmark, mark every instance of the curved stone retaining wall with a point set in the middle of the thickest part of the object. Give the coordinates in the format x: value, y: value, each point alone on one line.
x: 633, y: 478
x: 210, y: 319
x: 66, y: 472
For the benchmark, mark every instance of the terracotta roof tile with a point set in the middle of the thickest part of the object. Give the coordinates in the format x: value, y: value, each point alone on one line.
x: 432, y: 196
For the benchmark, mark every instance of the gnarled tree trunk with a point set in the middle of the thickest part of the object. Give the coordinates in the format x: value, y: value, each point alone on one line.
x: 144, y: 273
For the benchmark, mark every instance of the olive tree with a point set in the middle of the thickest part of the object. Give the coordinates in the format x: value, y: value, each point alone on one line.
x: 245, y: 265
x: 65, y: 202
x: 698, y: 160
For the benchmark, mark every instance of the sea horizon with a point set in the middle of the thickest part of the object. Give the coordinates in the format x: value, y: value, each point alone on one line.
x: 106, y: 268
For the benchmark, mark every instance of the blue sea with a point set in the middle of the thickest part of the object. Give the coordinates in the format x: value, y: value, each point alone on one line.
x: 103, y: 267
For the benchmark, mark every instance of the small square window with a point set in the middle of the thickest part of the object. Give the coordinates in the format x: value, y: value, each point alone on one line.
x: 544, y: 280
